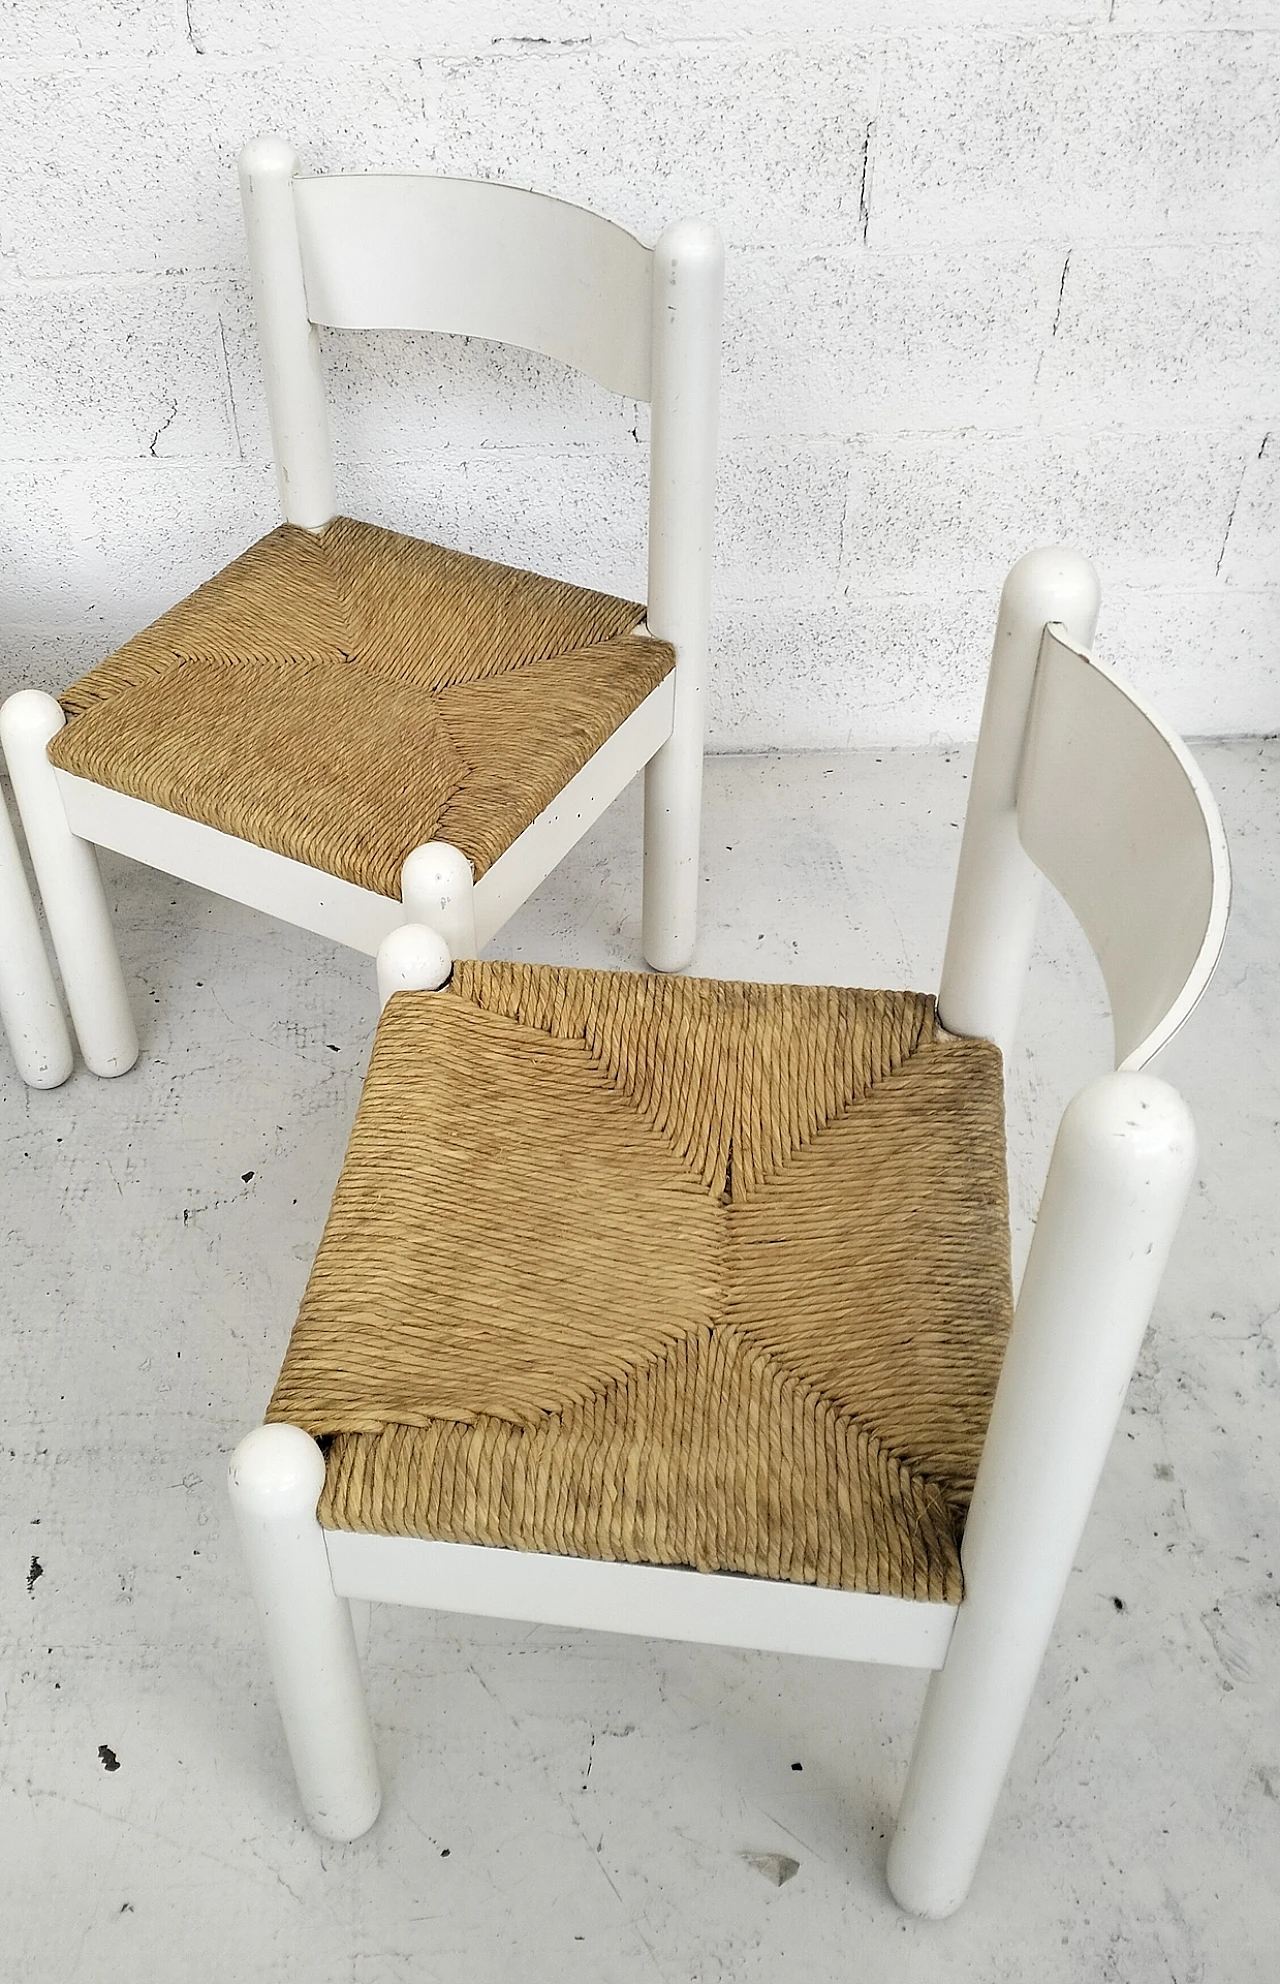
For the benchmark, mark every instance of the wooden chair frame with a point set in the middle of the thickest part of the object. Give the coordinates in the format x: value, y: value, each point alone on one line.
x: 485, y: 260
x: 30, y: 1010
x: 1069, y: 763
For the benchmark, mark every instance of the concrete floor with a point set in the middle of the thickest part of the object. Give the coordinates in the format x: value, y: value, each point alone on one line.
x: 581, y: 1807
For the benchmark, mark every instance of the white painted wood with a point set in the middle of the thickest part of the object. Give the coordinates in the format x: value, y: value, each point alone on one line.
x: 997, y: 890
x: 437, y: 888
x: 1120, y: 1173
x: 340, y: 910
x: 1113, y: 809
x: 421, y: 253
x: 413, y: 958
x: 30, y: 1010
x: 543, y: 844
x: 688, y: 285
x: 230, y: 867
x: 361, y: 1627
x: 70, y: 888
x: 484, y: 260
x: 275, y: 1478
x: 288, y: 341
x: 181, y: 1691
x: 649, y: 1599
x: 1119, y: 1177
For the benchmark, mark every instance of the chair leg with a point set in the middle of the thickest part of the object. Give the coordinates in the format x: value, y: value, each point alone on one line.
x: 30, y: 1011
x: 361, y: 1627
x: 1119, y: 1177
x: 437, y: 888
x: 71, y: 888
x: 688, y: 286
x: 276, y: 1475
x: 672, y: 851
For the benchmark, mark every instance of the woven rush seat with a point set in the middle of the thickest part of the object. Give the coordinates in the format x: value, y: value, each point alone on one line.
x: 664, y: 1270
x: 343, y: 696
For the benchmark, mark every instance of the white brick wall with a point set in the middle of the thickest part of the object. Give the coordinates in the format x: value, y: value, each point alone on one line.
x: 1001, y: 271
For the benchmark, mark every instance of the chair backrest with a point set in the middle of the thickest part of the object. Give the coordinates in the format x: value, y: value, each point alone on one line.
x: 414, y: 253
x: 463, y: 256
x: 1076, y: 779
x: 1113, y: 809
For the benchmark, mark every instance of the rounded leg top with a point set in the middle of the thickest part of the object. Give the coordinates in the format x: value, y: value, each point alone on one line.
x: 412, y: 958
x: 437, y: 888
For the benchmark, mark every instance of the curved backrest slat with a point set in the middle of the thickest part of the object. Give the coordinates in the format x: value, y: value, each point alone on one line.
x: 417, y: 253
x: 1113, y: 809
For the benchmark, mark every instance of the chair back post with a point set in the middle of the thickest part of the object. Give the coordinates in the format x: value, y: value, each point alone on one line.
x: 993, y: 910
x: 289, y: 341
x: 688, y: 285
x: 1121, y: 1169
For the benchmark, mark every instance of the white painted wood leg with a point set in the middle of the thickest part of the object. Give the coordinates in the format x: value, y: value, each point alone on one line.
x: 276, y: 1475
x: 688, y: 281
x: 361, y: 1626
x: 437, y: 888
x: 997, y: 893
x: 70, y: 887
x: 1117, y: 1183
x: 289, y: 342
x: 30, y: 1010
x: 673, y: 847
x: 412, y: 958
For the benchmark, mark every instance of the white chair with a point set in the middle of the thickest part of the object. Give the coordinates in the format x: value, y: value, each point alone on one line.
x: 873, y: 1394
x: 303, y: 734
x: 30, y: 1012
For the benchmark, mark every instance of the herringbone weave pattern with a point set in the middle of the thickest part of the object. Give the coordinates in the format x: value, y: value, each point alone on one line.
x: 664, y: 1270
x: 343, y: 696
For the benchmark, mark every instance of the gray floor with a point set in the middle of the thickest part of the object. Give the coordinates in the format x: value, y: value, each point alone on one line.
x: 563, y: 1807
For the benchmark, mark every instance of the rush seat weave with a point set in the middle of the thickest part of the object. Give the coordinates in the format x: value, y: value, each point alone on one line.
x: 345, y: 695
x: 664, y: 1270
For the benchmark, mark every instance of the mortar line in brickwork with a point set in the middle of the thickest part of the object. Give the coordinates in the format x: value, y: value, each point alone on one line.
x: 230, y: 386
x: 109, y: 280
x: 1231, y: 514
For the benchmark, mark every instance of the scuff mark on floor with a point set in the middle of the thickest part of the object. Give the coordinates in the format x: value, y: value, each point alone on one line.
x: 776, y: 1867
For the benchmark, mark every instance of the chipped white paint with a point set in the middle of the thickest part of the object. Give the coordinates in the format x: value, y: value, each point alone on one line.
x: 638, y: 1797
x: 1000, y: 272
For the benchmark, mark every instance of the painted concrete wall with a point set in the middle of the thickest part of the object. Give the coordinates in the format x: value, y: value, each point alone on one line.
x: 1000, y: 271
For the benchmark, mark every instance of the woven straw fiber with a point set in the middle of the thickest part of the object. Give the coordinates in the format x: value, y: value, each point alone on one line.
x: 664, y: 1270
x: 343, y: 696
